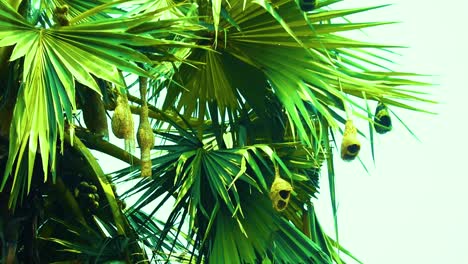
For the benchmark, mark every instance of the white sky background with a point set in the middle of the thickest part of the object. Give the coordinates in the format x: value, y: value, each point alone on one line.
x: 412, y: 208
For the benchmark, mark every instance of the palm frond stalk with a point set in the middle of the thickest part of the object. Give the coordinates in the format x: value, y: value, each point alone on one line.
x: 228, y: 93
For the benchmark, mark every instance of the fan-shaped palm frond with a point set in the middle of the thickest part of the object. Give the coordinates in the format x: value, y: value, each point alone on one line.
x: 53, y: 59
x: 225, y: 192
x: 301, y: 57
x: 241, y: 95
x: 274, y: 74
x: 83, y: 243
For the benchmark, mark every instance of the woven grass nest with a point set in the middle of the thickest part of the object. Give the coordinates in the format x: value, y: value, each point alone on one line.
x: 382, y: 120
x: 350, y: 146
x: 122, y: 120
x: 280, y: 194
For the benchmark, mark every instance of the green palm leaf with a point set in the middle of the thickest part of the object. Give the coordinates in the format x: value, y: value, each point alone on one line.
x: 300, y: 59
x: 223, y: 189
x: 53, y: 59
x: 84, y: 243
x: 240, y: 93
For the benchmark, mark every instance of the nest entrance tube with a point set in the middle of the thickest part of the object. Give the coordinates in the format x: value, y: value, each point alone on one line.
x: 280, y: 192
x: 145, y: 136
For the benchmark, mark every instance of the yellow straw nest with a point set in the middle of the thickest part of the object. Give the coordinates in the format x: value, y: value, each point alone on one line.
x: 145, y: 139
x: 280, y: 193
x: 122, y: 122
x: 350, y: 146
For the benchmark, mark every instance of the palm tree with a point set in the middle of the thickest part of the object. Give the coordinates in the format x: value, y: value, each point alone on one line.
x: 240, y: 103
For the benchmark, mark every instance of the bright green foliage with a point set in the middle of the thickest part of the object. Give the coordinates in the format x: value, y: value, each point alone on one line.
x: 239, y: 92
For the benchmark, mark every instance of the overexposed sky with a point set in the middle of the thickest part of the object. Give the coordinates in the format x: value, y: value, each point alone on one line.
x: 412, y: 208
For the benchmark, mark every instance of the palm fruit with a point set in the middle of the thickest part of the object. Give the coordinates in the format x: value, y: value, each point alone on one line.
x: 95, y: 205
x: 122, y: 205
x: 91, y: 197
x: 87, y: 196
x: 307, y: 5
x: 350, y: 146
x: 85, y: 188
x: 382, y: 120
x: 280, y: 193
x: 145, y: 139
x: 94, y: 114
x: 60, y: 15
x: 62, y: 9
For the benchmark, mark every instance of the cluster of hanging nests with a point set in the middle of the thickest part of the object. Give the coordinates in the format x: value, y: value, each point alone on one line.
x: 122, y: 127
x: 280, y: 190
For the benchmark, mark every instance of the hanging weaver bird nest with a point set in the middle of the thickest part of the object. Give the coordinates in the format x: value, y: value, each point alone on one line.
x: 382, y: 120
x: 307, y: 5
x: 94, y: 114
x: 122, y: 121
x: 280, y: 193
x: 145, y: 139
x: 350, y: 145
